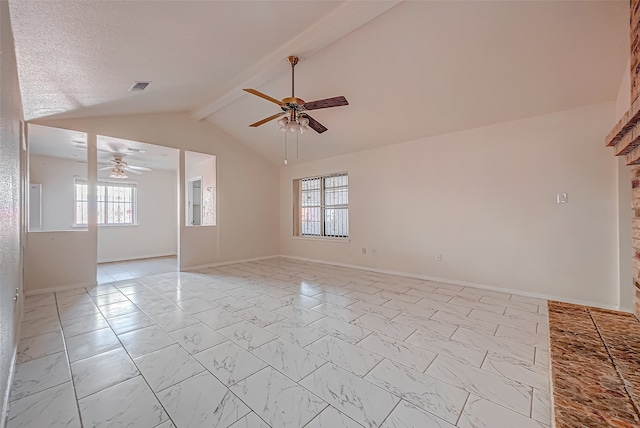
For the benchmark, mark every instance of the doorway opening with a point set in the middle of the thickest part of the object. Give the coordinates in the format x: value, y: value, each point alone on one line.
x: 194, y: 201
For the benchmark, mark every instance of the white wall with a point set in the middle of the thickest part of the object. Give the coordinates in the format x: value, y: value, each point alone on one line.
x: 58, y: 259
x: 247, y: 184
x: 625, y: 250
x: 12, y: 224
x: 156, y: 231
x: 56, y: 176
x: 486, y: 199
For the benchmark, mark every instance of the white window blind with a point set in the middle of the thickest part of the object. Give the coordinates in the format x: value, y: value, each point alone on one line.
x: 81, y: 202
x: 324, y: 206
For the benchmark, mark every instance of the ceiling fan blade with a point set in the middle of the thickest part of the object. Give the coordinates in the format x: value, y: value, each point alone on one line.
x: 263, y: 121
x: 315, y: 125
x: 126, y: 168
x: 139, y: 168
x: 265, y: 96
x: 326, y: 103
x: 105, y: 168
x: 84, y: 147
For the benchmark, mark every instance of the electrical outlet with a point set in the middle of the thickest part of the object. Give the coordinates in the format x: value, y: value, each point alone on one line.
x: 364, y: 250
x: 561, y: 198
x: 439, y: 257
x: 374, y: 251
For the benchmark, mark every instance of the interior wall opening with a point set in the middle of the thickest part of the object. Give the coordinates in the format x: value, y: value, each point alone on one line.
x: 200, y: 180
x: 57, y: 158
x: 137, y: 196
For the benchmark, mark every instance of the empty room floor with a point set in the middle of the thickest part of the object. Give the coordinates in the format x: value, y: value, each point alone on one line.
x: 132, y: 269
x: 281, y: 343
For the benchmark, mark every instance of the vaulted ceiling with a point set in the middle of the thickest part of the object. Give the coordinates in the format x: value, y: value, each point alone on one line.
x: 66, y: 144
x: 410, y: 69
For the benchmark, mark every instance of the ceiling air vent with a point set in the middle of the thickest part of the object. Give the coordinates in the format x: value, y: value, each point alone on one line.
x: 139, y: 86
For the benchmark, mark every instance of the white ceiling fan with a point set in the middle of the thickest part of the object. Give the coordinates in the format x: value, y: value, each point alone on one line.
x: 119, y: 167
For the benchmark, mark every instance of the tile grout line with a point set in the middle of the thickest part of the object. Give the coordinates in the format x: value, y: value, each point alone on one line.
x: 371, y: 369
x: 269, y: 366
x: 532, y: 399
x: 66, y: 353
x: 394, y: 408
x: 485, y: 358
x: 463, y: 406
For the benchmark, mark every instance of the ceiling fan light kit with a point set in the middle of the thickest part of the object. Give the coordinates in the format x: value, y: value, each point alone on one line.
x: 118, y: 173
x: 300, y: 124
x: 119, y: 168
x: 294, y: 118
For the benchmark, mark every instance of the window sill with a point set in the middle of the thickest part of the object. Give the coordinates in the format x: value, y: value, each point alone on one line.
x: 323, y: 238
x: 84, y: 226
x: 75, y: 229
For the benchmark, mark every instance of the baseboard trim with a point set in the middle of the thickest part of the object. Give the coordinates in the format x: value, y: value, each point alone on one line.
x: 60, y: 288
x: 232, y: 262
x: 5, y: 399
x: 629, y: 309
x: 146, y: 256
x: 368, y: 269
x: 4, y: 414
x: 463, y: 283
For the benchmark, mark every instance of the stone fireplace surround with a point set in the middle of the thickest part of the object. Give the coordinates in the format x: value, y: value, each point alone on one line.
x: 625, y: 140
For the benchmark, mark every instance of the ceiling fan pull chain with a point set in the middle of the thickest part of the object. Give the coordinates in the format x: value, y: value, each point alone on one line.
x: 285, y: 148
x: 297, y: 146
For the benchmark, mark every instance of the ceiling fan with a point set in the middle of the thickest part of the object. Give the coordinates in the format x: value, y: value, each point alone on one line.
x: 294, y: 110
x: 119, y: 167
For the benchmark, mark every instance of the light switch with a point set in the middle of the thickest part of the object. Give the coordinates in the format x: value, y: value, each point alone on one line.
x: 562, y: 198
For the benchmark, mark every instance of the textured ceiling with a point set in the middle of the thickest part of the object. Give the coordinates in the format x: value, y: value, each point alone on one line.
x: 416, y: 70
x: 82, y: 56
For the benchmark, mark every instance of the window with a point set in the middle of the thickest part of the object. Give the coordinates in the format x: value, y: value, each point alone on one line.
x: 322, y: 206
x: 116, y: 203
x: 81, y: 201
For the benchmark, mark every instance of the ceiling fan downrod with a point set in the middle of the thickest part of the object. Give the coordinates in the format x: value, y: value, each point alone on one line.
x: 293, y: 60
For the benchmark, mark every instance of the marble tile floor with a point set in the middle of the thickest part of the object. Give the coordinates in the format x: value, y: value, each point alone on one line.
x: 281, y: 343
x: 132, y: 269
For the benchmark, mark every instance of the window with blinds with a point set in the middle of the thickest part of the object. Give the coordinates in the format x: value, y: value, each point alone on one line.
x: 116, y: 203
x: 322, y: 206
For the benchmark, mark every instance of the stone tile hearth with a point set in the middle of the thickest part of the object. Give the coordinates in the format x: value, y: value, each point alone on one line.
x: 595, y: 365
